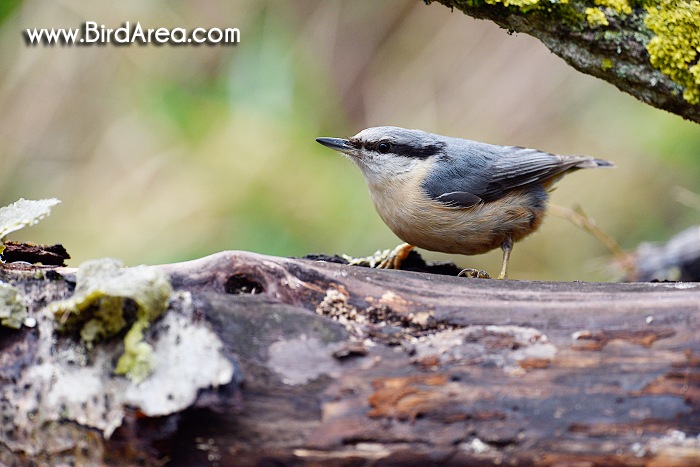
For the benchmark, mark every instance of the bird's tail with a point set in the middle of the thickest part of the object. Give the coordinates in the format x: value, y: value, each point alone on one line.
x: 591, y: 163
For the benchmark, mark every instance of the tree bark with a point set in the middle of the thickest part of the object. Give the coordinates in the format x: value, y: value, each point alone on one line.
x: 615, y: 44
x: 345, y: 365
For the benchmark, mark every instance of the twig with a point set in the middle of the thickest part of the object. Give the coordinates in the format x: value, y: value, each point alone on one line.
x: 579, y: 218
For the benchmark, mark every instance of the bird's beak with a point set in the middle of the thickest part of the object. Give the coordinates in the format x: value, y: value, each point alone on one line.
x: 338, y: 144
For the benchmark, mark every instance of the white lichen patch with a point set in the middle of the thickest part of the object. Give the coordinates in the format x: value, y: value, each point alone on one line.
x: 476, y: 446
x: 68, y: 383
x: 186, y: 358
x: 300, y: 360
x: 23, y: 213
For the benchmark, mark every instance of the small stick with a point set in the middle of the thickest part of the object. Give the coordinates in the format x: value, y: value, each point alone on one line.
x: 579, y: 218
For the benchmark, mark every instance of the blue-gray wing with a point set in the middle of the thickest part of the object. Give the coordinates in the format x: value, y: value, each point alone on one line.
x: 487, y: 172
x: 520, y: 167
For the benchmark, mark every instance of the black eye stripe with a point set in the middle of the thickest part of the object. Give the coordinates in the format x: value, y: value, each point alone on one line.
x: 374, y: 146
x: 419, y: 152
x: 402, y: 149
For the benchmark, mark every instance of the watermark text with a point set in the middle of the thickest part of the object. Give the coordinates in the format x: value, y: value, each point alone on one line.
x: 92, y: 33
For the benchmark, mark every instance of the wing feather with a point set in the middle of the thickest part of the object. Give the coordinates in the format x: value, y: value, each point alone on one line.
x: 487, y: 172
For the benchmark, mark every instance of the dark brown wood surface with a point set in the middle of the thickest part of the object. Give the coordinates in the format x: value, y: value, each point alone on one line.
x: 345, y: 365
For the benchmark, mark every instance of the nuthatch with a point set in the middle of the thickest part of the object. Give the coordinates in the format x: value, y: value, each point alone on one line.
x: 455, y: 195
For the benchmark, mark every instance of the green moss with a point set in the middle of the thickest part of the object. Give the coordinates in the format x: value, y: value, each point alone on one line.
x: 105, y: 320
x: 596, y: 17
x: 106, y: 296
x: 12, y: 310
x: 675, y: 48
x: 606, y: 64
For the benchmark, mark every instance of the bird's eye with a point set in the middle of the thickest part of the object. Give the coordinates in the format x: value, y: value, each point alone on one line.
x: 383, y: 147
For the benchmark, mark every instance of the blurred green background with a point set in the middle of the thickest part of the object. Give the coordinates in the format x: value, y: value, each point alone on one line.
x: 164, y: 153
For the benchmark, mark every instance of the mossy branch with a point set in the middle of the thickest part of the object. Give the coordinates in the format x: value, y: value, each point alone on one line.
x: 647, y: 48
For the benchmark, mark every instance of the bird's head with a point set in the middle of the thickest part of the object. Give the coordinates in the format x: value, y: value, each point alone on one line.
x: 387, y: 151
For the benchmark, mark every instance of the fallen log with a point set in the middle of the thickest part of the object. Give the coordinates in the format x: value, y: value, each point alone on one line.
x: 345, y: 365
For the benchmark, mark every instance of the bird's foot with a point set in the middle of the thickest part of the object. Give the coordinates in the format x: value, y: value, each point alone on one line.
x: 396, y: 257
x: 474, y: 273
x: 386, y: 259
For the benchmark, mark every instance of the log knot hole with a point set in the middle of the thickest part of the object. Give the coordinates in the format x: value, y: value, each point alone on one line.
x: 244, y: 283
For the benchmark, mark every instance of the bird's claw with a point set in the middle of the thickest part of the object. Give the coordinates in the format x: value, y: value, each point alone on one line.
x: 397, y: 256
x: 386, y: 259
x: 474, y: 273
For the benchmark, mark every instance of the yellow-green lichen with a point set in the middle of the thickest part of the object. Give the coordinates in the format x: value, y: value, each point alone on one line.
x: 12, y: 310
x: 596, y: 17
x: 109, y: 297
x: 606, y: 64
x: 137, y: 359
x: 517, y: 3
x: 566, y: 13
x: 620, y: 6
x: 675, y: 48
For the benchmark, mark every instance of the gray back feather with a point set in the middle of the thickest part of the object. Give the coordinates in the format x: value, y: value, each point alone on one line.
x: 489, y: 171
